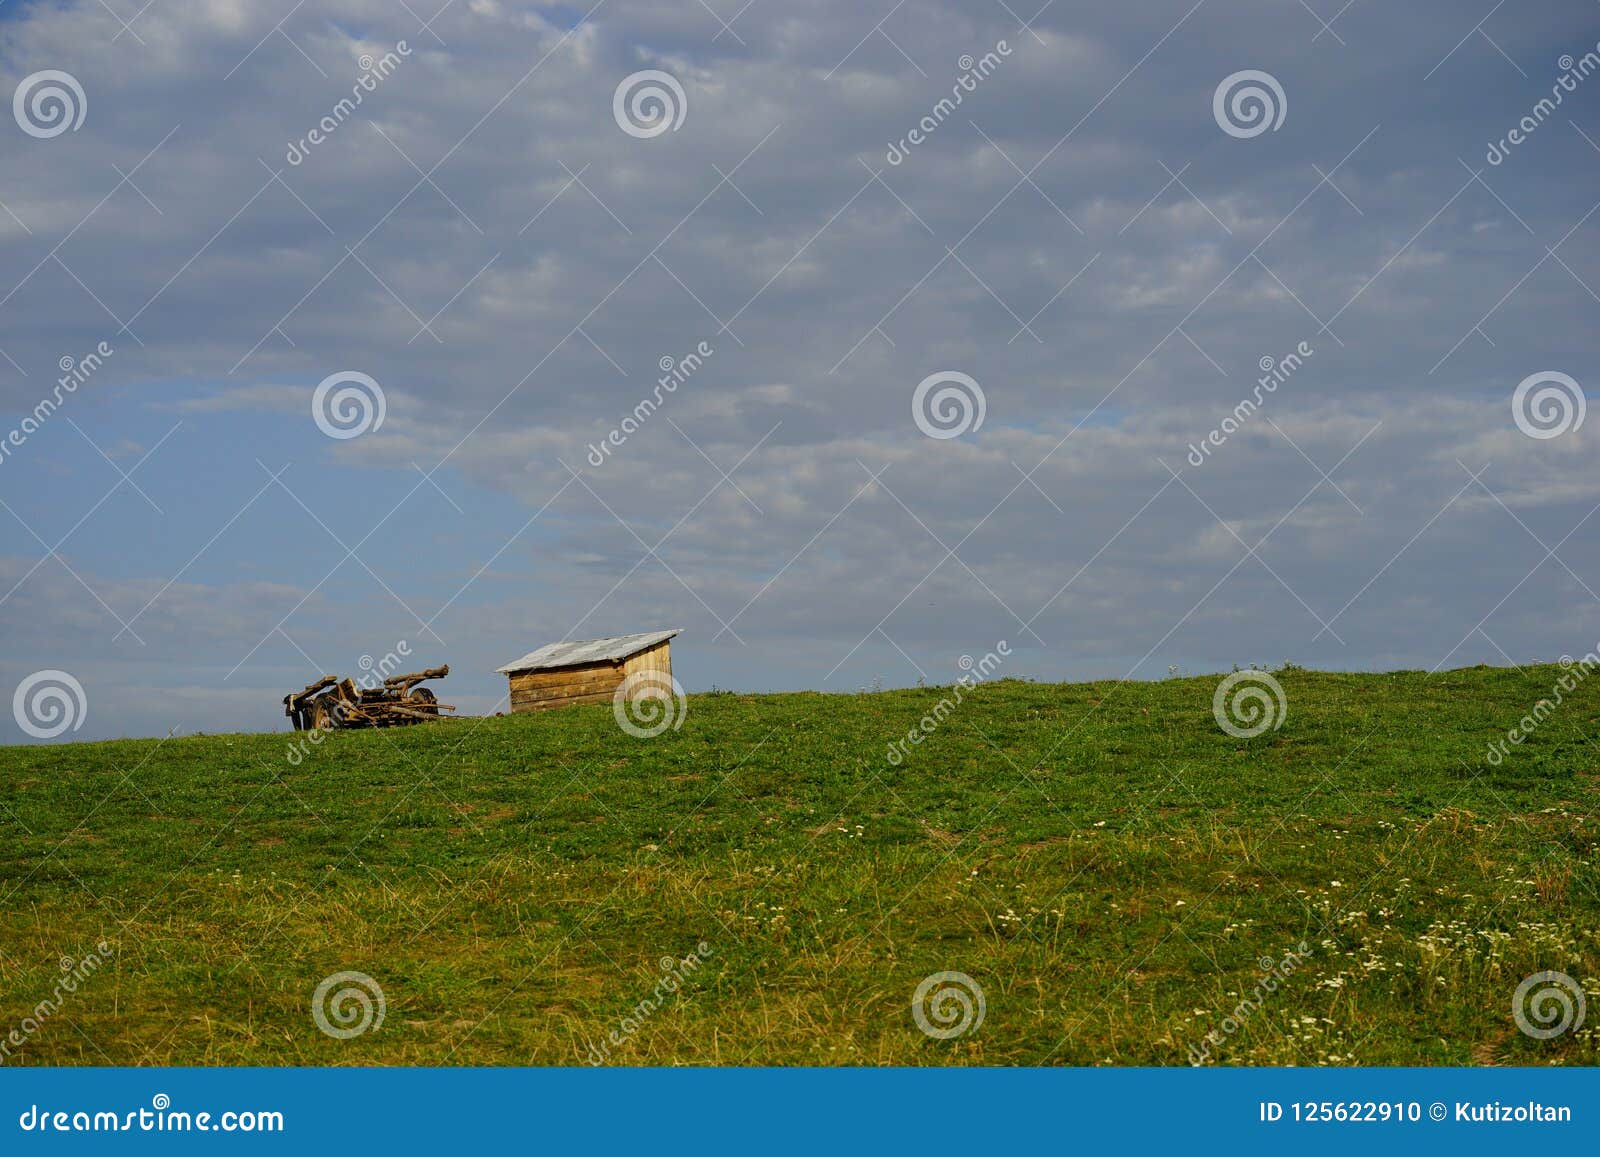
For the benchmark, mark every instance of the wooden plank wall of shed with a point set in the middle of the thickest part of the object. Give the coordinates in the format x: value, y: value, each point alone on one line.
x: 584, y: 683
x: 656, y: 658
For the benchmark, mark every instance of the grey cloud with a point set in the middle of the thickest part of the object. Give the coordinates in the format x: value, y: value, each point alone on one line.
x: 516, y: 301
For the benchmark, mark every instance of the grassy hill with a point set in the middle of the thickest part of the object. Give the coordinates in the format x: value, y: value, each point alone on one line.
x: 1114, y: 871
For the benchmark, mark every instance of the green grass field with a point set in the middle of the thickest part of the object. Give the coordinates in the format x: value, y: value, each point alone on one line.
x: 1105, y: 862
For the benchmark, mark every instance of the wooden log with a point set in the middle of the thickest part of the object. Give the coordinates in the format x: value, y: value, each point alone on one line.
x: 293, y: 700
x: 417, y: 676
x: 412, y: 713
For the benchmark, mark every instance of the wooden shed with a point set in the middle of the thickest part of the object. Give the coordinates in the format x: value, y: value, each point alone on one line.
x: 561, y: 674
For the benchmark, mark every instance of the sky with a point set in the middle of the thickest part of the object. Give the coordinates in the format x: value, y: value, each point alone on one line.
x: 943, y: 373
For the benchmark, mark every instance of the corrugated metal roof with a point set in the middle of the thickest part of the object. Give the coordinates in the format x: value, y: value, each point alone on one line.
x: 590, y: 651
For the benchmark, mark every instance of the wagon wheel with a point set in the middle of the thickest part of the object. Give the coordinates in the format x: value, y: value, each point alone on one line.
x: 319, y: 716
x: 423, y: 700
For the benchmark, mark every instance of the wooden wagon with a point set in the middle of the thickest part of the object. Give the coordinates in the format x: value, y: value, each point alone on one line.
x: 338, y: 703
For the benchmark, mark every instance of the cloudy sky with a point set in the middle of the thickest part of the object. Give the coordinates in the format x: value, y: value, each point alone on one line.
x: 509, y: 246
